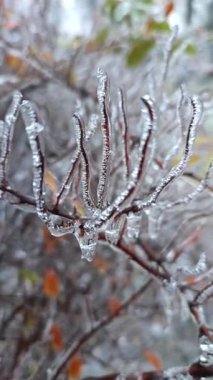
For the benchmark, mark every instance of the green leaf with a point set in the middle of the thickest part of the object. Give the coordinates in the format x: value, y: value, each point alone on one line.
x: 191, y: 49
x: 102, y: 36
x: 138, y: 51
x: 27, y: 274
x: 160, y: 26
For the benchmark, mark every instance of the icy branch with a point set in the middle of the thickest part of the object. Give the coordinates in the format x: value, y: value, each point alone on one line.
x: 124, y: 127
x: 103, y: 88
x: 6, y: 133
x: 80, y: 135
x: 136, y: 175
x: 178, y: 169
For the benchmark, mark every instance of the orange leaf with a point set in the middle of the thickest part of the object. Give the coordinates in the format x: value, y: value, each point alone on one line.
x: 16, y: 64
x: 51, y: 285
x: 153, y: 359
x: 169, y: 8
x: 101, y: 264
x: 75, y: 368
x: 56, y: 341
x: 113, y: 305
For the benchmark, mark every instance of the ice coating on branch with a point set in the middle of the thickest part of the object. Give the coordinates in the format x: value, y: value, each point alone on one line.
x: 167, y: 56
x: 206, y: 348
x: 135, y: 177
x: 177, y: 170
x: 92, y: 126
x: 124, y: 129
x: 103, y: 101
x: 199, y: 268
x: 133, y: 227
x: 60, y: 227
x: 6, y: 135
x: 33, y: 129
x: 85, y: 172
x: 87, y: 238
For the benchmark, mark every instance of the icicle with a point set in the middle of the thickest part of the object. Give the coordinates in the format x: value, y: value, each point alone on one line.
x: 206, y: 347
x: 106, y: 131
x: 155, y: 217
x: 7, y: 129
x: 33, y: 128
x: 113, y: 230
x: 124, y: 126
x: 87, y: 238
x: 133, y: 227
x: 80, y: 135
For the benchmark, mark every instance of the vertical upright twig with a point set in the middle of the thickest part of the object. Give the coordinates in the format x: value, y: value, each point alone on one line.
x: 7, y: 130
x: 103, y: 100
x: 124, y: 127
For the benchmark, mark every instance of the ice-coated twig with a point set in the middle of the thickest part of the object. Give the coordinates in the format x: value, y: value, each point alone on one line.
x: 177, y: 170
x: 33, y: 128
x: 193, y: 195
x: 66, y: 183
x: 65, y: 187
x: 203, y: 295
x: 85, y: 169
x: 103, y: 100
x: 180, y: 118
x: 124, y: 128
x: 6, y: 135
x: 136, y: 175
x: 167, y: 56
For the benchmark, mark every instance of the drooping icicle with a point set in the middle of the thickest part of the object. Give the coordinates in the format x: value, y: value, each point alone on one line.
x: 113, y: 230
x: 177, y: 170
x: 85, y: 168
x: 155, y: 218
x: 124, y: 136
x: 33, y: 128
x: 87, y: 238
x: 133, y: 227
x: 103, y: 101
x: 6, y: 136
x: 206, y: 348
x: 134, y: 180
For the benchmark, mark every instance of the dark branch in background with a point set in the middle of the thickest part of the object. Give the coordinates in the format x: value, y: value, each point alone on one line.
x: 63, y: 359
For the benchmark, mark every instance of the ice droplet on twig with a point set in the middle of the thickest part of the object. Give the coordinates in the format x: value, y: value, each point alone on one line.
x: 206, y: 347
x: 87, y: 238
